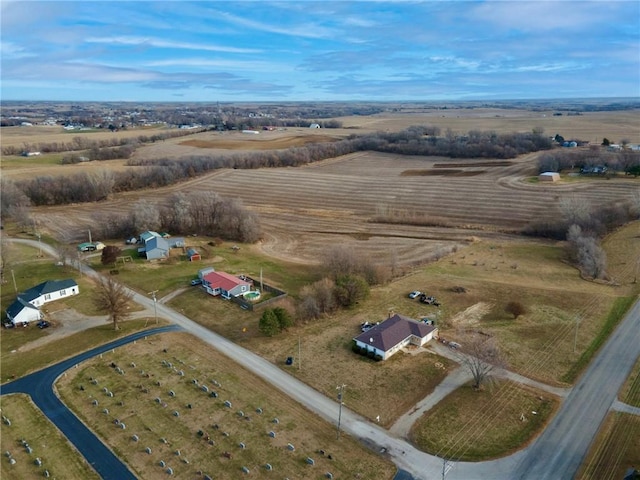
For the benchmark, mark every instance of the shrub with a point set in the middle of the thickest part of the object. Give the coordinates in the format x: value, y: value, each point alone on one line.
x: 515, y: 308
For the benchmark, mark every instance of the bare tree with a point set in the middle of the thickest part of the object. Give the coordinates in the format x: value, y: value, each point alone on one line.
x: 113, y: 298
x: 146, y: 216
x: 481, y: 356
x: 576, y: 211
x: 587, y: 252
x: 6, y: 258
x: 66, y: 253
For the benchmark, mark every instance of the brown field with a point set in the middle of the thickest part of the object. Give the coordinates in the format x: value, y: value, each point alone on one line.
x: 304, y: 210
x: 591, y: 126
x: 133, y: 403
x: 614, y: 450
x: 36, y: 134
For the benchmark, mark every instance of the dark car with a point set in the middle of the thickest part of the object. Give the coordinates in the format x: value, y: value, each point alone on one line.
x: 43, y: 324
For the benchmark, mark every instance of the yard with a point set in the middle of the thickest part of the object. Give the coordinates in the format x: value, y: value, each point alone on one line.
x: 471, y: 425
x: 165, y: 399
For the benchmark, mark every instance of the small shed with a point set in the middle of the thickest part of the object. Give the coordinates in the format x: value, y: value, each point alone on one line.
x: 314, y: 125
x: 192, y: 254
x: 549, y: 177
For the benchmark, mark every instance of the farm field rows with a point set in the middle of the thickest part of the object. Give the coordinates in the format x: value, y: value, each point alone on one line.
x: 302, y: 210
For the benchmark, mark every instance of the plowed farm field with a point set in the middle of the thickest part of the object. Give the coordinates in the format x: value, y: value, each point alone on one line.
x: 338, y: 201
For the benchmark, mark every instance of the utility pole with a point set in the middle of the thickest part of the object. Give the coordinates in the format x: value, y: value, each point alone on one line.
x: 299, y: 354
x: 90, y: 236
x: 155, y: 308
x: 575, y: 338
x: 340, y: 389
x: 15, y: 287
x: 39, y: 245
x: 79, y: 263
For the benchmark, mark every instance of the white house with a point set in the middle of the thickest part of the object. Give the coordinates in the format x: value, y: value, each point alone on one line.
x: 393, y: 334
x: 26, y: 307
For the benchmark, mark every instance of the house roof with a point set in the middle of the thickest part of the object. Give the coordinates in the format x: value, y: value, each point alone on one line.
x: 47, y: 287
x: 17, y: 306
x: 224, y: 280
x: 192, y: 251
x: 148, y: 235
x: 156, y: 243
x: 392, y: 331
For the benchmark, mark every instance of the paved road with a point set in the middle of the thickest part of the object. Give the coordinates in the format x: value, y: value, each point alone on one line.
x: 39, y: 385
x: 555, y: 455
x: 560, y: 450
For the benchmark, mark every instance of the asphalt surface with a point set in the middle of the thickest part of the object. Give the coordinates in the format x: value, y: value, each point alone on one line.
x: 560, y: 450
x: 556, y: 454
x: 39, y: 386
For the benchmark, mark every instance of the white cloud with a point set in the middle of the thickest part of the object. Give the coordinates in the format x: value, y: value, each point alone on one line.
x: 9, y: 50
x: 299, y: 29
x: 159, y: 43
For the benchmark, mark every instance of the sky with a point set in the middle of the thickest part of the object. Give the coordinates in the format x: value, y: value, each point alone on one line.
x: 243, y: 51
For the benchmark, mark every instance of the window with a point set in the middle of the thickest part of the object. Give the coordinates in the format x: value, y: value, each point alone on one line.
x: 47, y: 296
x: 63, y: 292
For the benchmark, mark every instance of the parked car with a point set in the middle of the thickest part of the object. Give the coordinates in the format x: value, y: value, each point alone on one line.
x: 415, y: 294
x: 8, y: 324
x: 196, y: 281
x: 43, y: 324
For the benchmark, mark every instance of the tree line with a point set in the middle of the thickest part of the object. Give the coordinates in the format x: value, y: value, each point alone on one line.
x: 163, y: 172
x: 568, y: 159
x: 202, y: 213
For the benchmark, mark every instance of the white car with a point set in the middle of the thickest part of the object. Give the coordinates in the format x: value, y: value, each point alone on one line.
x: 415, y: 294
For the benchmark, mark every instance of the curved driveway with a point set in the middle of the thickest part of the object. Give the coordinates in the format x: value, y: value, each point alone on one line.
x: 39, y: 385
x: 556, y: 453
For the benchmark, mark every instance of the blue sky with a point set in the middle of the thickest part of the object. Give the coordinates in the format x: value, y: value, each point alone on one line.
x: 318, y: 51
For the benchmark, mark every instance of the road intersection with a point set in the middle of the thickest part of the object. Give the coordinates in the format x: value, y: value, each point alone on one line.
x: 556, y: 454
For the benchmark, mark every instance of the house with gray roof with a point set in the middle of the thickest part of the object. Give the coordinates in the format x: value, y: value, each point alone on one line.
x: 26, y: 308
x: 156, y: 246
x: 395, y: 333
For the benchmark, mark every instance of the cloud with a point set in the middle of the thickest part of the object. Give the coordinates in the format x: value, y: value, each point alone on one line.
x: 297, y: 29
x: 159, y: 43
x: 9, y: 50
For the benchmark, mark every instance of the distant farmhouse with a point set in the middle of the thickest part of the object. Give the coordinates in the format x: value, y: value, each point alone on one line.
x: 395, y: 333
x: 26, y: 308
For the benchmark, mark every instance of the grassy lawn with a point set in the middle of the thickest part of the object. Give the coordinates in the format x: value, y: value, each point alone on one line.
x: 47, y: 444
x: 614, y: 450
x: 470, y: 425
x: 248, y: 420
x: 630, y: 392
x: 17, y: 364
x: 176, y: 272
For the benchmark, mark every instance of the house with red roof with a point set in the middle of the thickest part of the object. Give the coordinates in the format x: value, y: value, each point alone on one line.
x: 395, y: 333
x: 225, y: 284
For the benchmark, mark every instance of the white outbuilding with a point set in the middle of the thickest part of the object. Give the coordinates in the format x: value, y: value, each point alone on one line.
x: 549, y: 177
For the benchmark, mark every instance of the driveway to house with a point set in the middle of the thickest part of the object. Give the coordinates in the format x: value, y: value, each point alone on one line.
x: 39, y: 386
x: 556, y: 454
